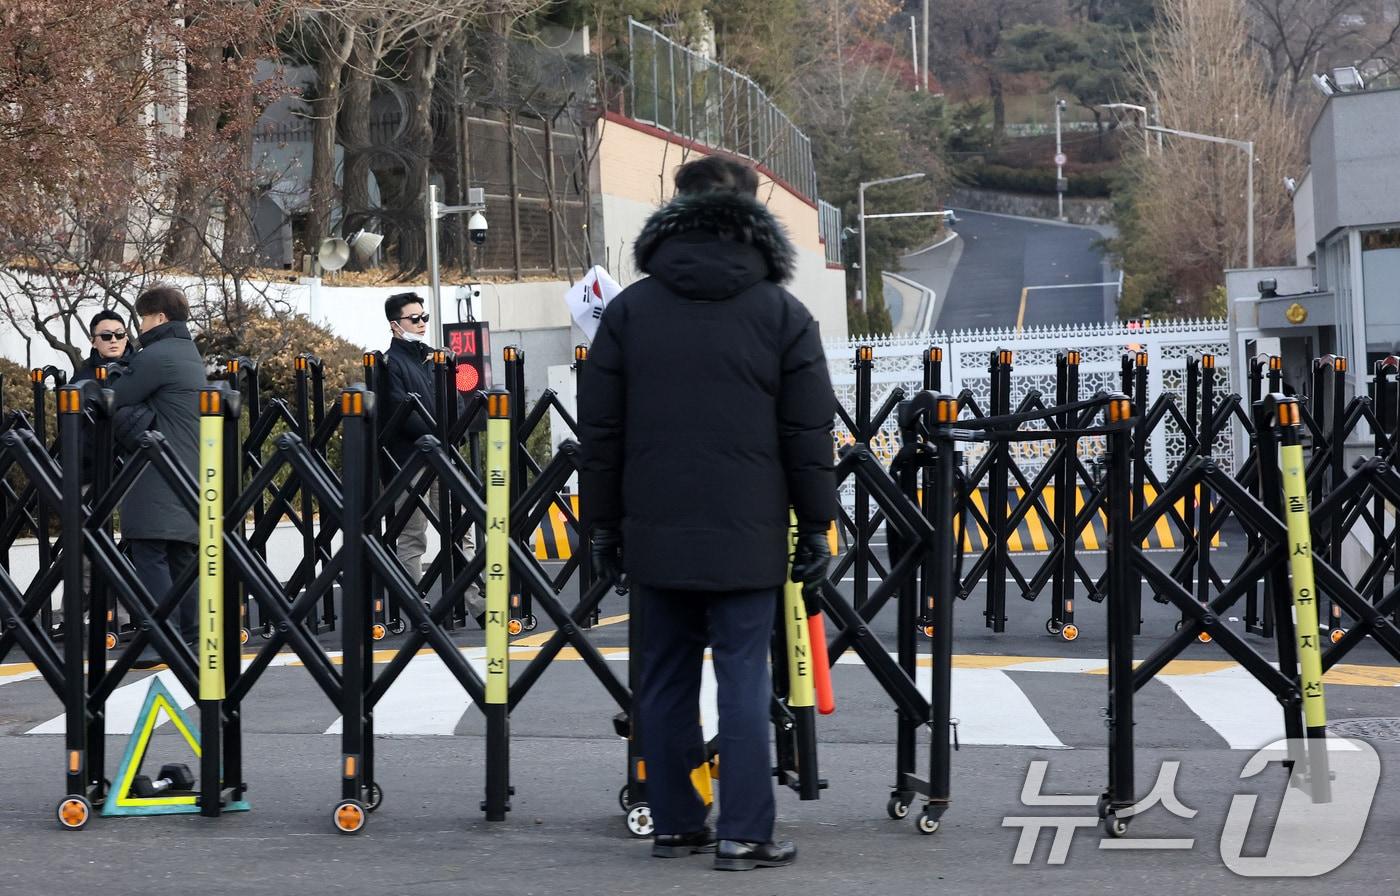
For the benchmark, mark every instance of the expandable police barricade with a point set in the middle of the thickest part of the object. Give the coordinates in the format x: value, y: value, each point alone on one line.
x: 919, y: 501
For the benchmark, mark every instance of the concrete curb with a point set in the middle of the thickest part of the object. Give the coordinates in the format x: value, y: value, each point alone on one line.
x: 922, y: 320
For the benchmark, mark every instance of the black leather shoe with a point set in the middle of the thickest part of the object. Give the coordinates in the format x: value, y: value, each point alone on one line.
x: 673, y: 846
x: 741, y: 855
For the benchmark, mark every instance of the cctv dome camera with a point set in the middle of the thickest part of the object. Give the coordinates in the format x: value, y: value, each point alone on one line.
x: 476, y: 228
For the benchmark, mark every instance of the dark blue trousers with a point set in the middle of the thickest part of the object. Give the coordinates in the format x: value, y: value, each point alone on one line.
x: 738, y: 627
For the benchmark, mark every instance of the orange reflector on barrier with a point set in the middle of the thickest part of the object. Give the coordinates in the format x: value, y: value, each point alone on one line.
x: 498, y: 404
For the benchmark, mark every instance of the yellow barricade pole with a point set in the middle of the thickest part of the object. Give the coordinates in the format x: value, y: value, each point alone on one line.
x: 211, y: 599
x: 1300, y: 567
x: 496, y: 708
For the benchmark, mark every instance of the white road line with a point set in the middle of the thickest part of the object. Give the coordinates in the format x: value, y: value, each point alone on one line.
x: 124, y: 705
x: 992, y: 709
x: 426, y: 698
x: 1240, y: 709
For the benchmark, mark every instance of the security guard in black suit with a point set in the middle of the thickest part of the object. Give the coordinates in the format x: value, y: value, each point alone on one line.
x: 705, y: 413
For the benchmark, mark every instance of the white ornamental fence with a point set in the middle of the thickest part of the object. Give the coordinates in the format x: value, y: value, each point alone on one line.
x: 898, y: 361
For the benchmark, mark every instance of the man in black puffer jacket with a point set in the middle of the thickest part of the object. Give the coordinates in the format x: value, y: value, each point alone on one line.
x: 408, y: 371
x: 705, y: 413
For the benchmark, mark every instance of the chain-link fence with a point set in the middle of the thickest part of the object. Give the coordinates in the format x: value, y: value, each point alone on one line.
x: 678, y: 90
x: 830, y: 223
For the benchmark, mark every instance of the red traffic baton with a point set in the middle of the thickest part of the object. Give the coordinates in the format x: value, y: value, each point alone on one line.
x: 821, y: 665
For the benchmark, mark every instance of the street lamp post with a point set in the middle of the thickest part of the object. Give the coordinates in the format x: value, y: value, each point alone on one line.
x: 1141, y: 110
x: 860, y: 198
x: 435, y: 211
x: 1059, y: 164
x: 1248, y: 147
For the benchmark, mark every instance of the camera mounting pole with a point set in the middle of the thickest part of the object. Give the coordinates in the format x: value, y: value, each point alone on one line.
x: 476, y: 204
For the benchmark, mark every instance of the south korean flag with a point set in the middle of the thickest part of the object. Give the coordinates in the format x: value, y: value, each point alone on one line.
x: 588, y: 297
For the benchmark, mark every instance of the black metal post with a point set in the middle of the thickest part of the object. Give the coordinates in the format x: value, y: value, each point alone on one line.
x: 864, y: 365
x: 1122, y: 621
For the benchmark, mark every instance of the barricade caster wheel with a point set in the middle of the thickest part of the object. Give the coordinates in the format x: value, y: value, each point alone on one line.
x: 531, y: 622
x: 266, y: 632
x: 112, y: 641
x: 514, y: 627
x: 927, y: 823
x: 639, y: 821
x: 374, y: 796
x: 1053, y: 626
x: 243, y: 636
x: 1101, y: 807
x: 73, y: 812
x: 1337, y: 635
x: 927, y: 630
x: 378, y: 631
x: 897, y: 808
x: 1204, y: 637
x: 1070, y: 632
x: 349, y: 816
x: 1114, y: 826
x: 624, y: 798
x: 398, y: 626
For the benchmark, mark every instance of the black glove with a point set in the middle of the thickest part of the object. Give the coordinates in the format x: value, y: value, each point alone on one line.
x: 605, y: 550
x: 809, y: 562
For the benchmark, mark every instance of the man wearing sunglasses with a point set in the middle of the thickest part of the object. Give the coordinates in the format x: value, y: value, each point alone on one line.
x: 110, y: 344
x: 409, y: 371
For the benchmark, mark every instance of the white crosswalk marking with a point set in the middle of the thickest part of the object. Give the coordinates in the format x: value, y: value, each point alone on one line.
x: 992, y: 709
x: 995, y: 706
x: 425, y: 699
x: 124, y: 705
x: 1241, y: 710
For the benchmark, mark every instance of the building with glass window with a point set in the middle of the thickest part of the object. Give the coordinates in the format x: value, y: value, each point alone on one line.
x: 1343, y: 297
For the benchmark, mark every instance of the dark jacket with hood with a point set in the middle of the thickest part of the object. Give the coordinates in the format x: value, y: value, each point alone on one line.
x: 164, y: 382
x: 705, y: 407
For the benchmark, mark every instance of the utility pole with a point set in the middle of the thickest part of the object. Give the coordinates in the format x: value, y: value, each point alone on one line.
x: 914, y: 50
x: 1059, y: 160
x: 924, y: 51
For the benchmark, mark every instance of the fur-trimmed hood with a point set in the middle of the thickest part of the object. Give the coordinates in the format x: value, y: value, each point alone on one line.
x: 713, y: 245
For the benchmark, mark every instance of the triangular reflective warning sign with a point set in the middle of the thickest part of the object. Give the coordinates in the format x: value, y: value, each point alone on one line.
x: 120, y: 801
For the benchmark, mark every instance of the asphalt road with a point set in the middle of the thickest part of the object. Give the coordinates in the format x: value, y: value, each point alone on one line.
x: 1020, y: 696
x: 1001, y: 256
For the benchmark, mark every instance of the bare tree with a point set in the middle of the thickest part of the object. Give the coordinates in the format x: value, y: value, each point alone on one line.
x: 1299, y: 37
x: 1191, y: 199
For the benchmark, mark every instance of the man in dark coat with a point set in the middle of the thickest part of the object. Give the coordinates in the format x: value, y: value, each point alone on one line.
x: 705, y: 413
x: 110, y: 344
x: 163, y: 387
x: 408, y: 371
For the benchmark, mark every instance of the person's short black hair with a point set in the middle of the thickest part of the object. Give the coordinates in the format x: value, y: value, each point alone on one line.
x: 717, y: 173
x: 164, y: 298
x: 394, y: 305
x: 104, y: 314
